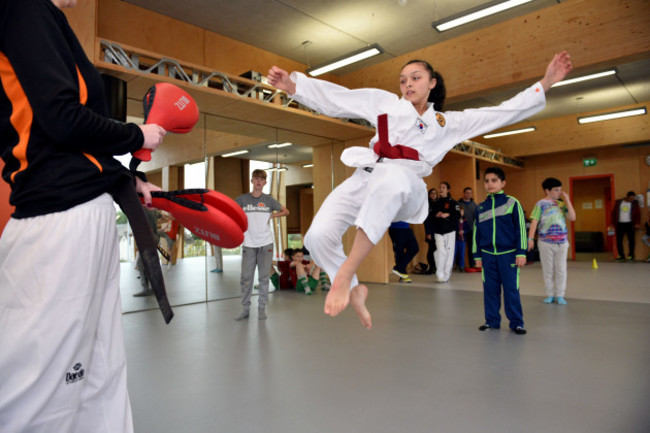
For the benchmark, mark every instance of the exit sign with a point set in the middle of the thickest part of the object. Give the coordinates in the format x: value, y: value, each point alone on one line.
x: 589, y: 161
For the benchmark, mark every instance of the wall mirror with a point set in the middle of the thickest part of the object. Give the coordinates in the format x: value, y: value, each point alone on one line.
x: 196, y: 271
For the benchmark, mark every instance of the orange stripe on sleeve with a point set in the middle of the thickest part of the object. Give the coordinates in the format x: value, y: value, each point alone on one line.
x: 83, y: 97
x: 21, y: 114
x: 83, y: 90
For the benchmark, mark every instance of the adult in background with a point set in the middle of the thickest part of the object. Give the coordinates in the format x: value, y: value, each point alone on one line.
x: 429, y: 231
x: 626, y: 218
x: 469, y: 208
x: 62, y: 353
x: 447, y: 216
x: 257, y: 249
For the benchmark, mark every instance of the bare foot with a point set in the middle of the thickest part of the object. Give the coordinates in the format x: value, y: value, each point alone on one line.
x: 338, y: 297
x: 358, y: 297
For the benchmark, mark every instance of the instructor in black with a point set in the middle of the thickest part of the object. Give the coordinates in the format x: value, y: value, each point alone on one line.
x: 62, y: 358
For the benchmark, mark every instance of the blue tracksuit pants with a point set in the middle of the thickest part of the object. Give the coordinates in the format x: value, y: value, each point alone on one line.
x: 501, y: 270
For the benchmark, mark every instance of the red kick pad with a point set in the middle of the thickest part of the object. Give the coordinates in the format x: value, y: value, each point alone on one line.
x: 218, y: 224
x: 170, y: 107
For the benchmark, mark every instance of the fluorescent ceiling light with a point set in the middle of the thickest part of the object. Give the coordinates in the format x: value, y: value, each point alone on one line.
x: 239, y: 152
x: 495, y: 7
x: 307, y: 165
x: 279, y: 145
x: 353, y: 57
x: 283, y: 168
x: 610, y: 116
x: 514, y: 131
x: 585, y: 78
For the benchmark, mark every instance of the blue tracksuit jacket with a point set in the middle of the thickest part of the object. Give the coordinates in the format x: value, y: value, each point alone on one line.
x: 500, y: 237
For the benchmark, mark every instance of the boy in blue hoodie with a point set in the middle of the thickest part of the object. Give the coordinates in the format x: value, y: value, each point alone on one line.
x: 500, y: 250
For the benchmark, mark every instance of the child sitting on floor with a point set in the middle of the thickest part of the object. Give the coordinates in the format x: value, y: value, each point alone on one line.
x: 302, y: 278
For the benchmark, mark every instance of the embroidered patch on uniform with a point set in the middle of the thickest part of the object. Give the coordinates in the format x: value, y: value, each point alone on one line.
x: 422, y: 127
x: 441, y: 119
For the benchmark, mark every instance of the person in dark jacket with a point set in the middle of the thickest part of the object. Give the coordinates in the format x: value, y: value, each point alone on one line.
x: 429, y: 231
x: 469, y: 207
x: 62, y: 357
x: 500, y: 249
x: 447, y: 216
x: 626, y: 219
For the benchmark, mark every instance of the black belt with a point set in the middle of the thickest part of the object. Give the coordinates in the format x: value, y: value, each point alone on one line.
x: 125, y: 196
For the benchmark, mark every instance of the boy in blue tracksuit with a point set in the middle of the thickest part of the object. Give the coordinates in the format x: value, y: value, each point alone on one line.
x: 500, y: 249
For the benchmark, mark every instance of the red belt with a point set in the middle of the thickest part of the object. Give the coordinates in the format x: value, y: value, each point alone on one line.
x: 383, y: 147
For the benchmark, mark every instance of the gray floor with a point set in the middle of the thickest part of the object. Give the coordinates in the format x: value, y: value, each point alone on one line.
x: 424, y: 367
x: 189, y: 281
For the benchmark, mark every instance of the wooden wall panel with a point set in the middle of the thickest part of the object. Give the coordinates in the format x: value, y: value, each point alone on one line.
x: 172, y: 177
x: 123, y: 22
x: 234, y: 57
x: 83, y: 19
x: 230, y: 176
x: 322, y: 172
x: 306, y: 209
x: 598, y: 33
x: 293, y: 204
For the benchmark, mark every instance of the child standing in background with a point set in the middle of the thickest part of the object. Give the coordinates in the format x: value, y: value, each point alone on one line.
x: 549, y: 218
x: 500, y: 249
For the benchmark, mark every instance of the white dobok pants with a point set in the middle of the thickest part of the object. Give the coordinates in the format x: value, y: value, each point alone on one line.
x: 370, y: 201
x: 444, y: 254
x: 62, y: 352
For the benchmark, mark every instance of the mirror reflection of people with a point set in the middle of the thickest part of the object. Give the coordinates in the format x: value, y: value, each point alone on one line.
x: 387, y: 184
x: 62, y: 353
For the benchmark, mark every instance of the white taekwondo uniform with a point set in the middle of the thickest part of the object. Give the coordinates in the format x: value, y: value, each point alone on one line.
x: 393, y: 190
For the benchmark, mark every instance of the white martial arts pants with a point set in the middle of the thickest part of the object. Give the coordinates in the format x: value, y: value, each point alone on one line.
x: 444, y: 255
x: 553, y: 258
x: 370, y: 201
x: 62, y: 358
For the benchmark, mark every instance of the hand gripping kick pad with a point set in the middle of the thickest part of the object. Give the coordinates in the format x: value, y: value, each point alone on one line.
x: 219, y: 226
x: 170, y: 107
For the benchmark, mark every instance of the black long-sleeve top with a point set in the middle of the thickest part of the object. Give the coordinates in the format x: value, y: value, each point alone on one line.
x: 55, y: 138
x: 448, y: 205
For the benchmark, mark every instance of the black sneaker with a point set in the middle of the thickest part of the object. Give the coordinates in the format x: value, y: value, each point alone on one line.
x: 519, y: 330
x: 630, y: 259
x: 620, y: 259
x: 484, y: 327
